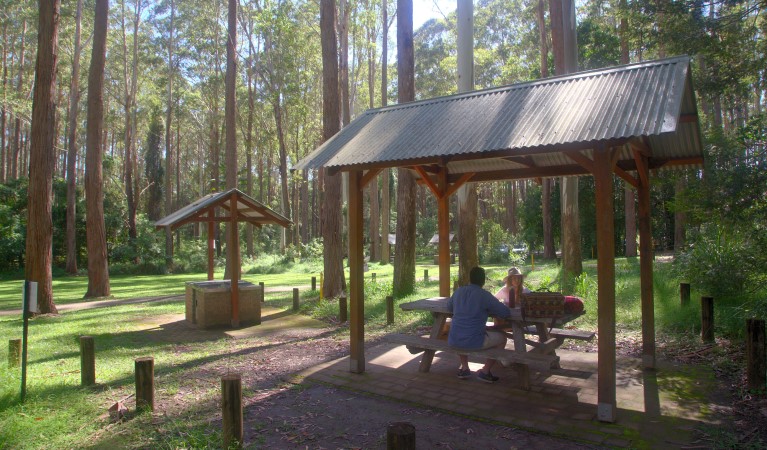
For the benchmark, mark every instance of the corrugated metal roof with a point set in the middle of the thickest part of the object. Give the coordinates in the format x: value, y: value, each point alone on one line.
x: 248, y: 210
x: 490, y: 130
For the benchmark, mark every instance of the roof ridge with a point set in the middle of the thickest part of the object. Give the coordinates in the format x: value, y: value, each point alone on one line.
x: 531, y: 83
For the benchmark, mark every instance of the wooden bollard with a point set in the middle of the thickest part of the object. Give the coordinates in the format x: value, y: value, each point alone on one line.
x: 87, y: 361
x: 14, y: 352
x: 373, y: 277
x: 342, y: 314
x: 389, y: 309
x: 145, y: 383
x: 707, y: 319
x: 231, y: 410
x: 684, y: 294
x: 400, y: 436
x: 756, y: 358
x: 263, y: 291
x: 425, y: 275
x: 295, y: 299
x: 314, y: 283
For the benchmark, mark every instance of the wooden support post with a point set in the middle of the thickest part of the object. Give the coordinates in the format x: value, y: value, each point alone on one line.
x: 144, y: 368
x: 389, y: 309
x: 684, y: 294
x: 707, y: 319
x: 211, y: 243
x: 342, y: 310
x: 373, y: 277
x: 756, y: 369
x: 603, y: 193
x: 231, y: 410
x: 87, y: 361
x: 263, y: 291
x: 314, y: 283
x: 295, y: 299
x: 356, y: 291
x: 14, y: 352
x: 443, y: 228
x: 234, y: 260
x: 425, y: 275
x: 400, y: 436
x: 646, y: 258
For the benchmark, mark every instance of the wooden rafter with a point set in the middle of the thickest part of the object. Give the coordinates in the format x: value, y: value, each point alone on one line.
x: 428, y: 181
x: 369, y: 176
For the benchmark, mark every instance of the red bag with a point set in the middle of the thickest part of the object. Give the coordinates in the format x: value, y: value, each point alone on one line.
x: 573, y: 305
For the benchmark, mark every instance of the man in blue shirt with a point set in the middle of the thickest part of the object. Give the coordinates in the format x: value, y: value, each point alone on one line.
x: 471, y: 305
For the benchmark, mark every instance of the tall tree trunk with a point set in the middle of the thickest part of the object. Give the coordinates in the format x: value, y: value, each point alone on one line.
x: 3, y: 112
x: 230, y: 110
x: 334, y: 282
x: 129, y: 107
x: 466, y: 197
x: 39, y: 241
x: 565, y: 61
x: 629, y: 194
x: 344, y: 9
x: 549, y: 250
x: 249, y: 139
x: 98, y: 269
x: 168, y: 140
x: 15, y: 171
x: 404, y: 255
x: 74, y: 100
x: 375, y: 208
x: 680, y: 217
x: 386, y: 173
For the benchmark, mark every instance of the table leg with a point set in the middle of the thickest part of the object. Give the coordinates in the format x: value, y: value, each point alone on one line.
x: 518, y: 331
x: 436, y: 329
x: 543, y: 337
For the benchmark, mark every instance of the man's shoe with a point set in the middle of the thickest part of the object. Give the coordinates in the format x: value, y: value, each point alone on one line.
x: 486, y: 377
x: 464, y: 374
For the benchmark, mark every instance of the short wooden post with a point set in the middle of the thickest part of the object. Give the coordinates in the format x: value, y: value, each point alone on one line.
x: 389, y: 309
x: 756, y: 358
x: 342, y: 313
x: 314, y: 283
x: 425, y: 275
x: 684, y: 294
x: 263, y: 291
x: 145, y: 383
x: 373, y: 277
x: 231, y: 410
x: 295, y: 299
x: 707, y: 319
x: 87, y: 361
x: 14, y: 352
x: 400, y: 436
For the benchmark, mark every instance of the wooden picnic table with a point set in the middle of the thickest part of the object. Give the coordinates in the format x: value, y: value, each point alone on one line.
x: 516, y: 327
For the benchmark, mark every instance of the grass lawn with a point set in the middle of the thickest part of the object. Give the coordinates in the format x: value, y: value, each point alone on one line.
x: 59, y: 413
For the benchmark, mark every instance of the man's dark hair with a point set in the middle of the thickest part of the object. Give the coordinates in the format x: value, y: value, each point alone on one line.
x: 477, y: 276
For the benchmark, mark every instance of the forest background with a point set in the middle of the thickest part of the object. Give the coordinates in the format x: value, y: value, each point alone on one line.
x: 163, y: 126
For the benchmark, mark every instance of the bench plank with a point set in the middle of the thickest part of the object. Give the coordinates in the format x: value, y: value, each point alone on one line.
x: 563, y: 333
x: 540, y: 362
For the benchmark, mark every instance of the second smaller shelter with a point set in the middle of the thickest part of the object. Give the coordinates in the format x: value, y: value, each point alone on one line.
x: 232, y: 206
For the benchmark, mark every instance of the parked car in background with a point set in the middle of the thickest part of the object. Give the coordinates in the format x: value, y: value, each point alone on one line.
x: 520, y: 249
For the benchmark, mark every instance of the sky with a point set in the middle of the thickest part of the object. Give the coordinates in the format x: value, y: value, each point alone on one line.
x: 424, y: 10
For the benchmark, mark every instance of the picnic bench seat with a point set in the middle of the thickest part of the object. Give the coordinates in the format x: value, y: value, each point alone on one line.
x: 560, y: 334
x: 520, y: 362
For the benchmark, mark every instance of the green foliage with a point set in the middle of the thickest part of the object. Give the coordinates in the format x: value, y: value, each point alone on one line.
x: 13, y: 223
x: 145, y: 255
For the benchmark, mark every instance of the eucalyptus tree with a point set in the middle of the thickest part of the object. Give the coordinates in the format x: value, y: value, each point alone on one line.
x: 38, y: 266
x: 98, y: 271
x: 333, y: 282
x: 404, y: 256
x: 74, y: 107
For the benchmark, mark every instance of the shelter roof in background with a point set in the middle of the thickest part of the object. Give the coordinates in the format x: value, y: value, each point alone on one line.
x: 248, y: 210
x: 435, y: 239
x: 526, y: 130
